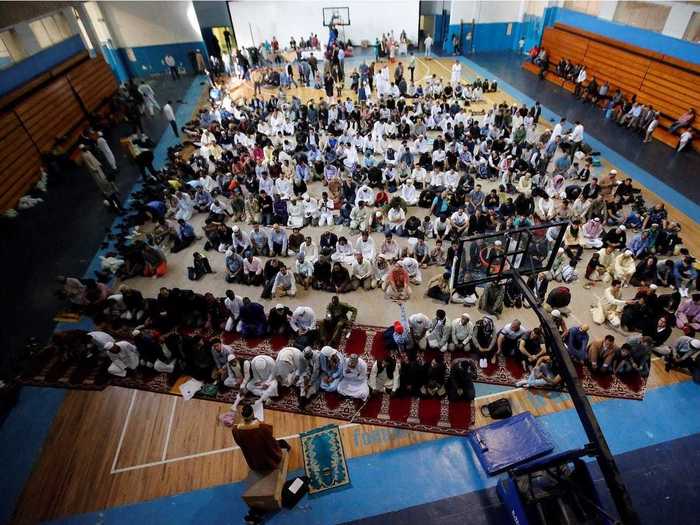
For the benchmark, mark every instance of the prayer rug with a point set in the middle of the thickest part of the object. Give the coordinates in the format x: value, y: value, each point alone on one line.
x: 412, y: 413
x: 324, y: 459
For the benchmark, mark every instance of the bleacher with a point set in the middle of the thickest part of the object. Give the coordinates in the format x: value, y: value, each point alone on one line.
x: 666, y: 83
x: 55, y: 105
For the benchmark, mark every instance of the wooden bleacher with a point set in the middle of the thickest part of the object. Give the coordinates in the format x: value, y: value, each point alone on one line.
x: 666, y: 83
x: 32, y: 118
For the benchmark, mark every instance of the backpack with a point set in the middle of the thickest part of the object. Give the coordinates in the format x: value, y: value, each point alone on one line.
x: 499, y: 409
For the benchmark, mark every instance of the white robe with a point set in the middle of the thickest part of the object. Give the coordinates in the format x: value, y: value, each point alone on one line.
x: 259, y: 377
x: 106, y: 152
x: 354, y: 381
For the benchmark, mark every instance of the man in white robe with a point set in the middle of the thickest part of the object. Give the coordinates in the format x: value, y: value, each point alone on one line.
x: 354, y: 379
x: 456, y: 74
x: 365, y: 245
x: 259, y: 378
x: 124, y: 356
x: 106, y: 151
x: 288, y: 366
x: 409, y: 193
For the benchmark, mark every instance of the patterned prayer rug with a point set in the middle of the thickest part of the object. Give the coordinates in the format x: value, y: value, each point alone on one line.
x: 324, y: 459
x: 412, y: 413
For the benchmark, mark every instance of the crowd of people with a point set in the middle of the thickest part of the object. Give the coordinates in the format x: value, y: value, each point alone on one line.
x: 625, y: 110
x: 267, y: 171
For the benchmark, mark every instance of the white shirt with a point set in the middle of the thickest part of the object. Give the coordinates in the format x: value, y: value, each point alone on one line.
x: 168, y: 112
x: 577, y: 134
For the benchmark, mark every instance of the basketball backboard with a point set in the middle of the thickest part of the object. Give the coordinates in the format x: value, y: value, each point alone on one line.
x: 484, y: 258
x: 337, y: 16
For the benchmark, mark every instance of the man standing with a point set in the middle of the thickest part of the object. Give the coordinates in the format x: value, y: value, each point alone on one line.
x: 412, y: 65
x: 108, y: 188
x: 170, y: 115
x: 106, y: 151
x: 172, y: 66
x: 428, y: 43
x: 149, y: 98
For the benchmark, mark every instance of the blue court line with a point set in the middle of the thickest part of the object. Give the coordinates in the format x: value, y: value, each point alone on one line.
x: 665, y: 192
x: 24, y: 431
x: 426, y: 472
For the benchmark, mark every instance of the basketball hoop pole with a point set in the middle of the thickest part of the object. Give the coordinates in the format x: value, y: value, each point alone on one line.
x: 605, y: 459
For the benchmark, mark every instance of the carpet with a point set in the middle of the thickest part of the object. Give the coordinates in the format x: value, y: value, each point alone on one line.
x: 324, y: 459
x: 413, y: 413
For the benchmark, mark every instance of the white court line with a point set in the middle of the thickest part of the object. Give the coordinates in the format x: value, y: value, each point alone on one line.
x: 123, y: 434
x: 202, y: 454
x: 170, y: 428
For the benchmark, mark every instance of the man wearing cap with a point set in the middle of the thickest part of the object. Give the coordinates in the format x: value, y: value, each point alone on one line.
x: 332, y: 366
x: 259, y: 378
x: 240, y: 242
x: 309, y: 379
x: 353, y: 382
x: 624, y: 267
x: 461, y: 333
x: 288, y: 366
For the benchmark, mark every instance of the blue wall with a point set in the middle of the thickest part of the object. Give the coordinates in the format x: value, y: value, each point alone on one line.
x: 149, y: 59
x: 674, y: 47
x: 33, y: 66
x: 486, y: 37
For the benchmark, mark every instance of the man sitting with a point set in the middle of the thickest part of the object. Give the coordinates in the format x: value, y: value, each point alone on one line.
x: 337, y: 320
x: 353, y: 382
x: 508, y: 339
x: 385, y: 376
x: 124, y: 357
x: 460, y: 385
x: 602, y: 353
x: 332, y: 365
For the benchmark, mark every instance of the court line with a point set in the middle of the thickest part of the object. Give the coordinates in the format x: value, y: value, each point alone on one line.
x: 202, y: 454
x: 170, y: 428
x: 165, y: 461
x: 123, y: 434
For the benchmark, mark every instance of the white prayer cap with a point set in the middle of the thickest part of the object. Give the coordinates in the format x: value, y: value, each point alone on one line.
x: 622, y: 227
x: 230, y: 357
x: 235, y: 229
x: 136, y: 332
x: 560, y: 251
x: 305, y: 196
x: 613, y: 172
x: 695, y: 343
x: 466, y: 316
x: 109, y: 345
x: 556, y: 313
x: 629, y: 253
x: 378, y: 214
x: 279, y: 306
x: 498, y: 243
x: 596, y: 219
x: 228, y: 253
x: 653, y: 287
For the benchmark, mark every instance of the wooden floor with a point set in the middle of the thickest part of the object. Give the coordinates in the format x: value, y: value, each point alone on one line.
x: 120, y: 446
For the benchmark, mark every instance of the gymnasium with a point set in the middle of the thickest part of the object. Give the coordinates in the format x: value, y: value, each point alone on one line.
x: 350, y: 261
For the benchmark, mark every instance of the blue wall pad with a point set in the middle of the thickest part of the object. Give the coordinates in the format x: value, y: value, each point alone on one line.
x: 149, y: 59
x: 412, y: 469
x: 22, y: 436
x: 509, y: 442
x: 663, y: 191
x: 38, y: 63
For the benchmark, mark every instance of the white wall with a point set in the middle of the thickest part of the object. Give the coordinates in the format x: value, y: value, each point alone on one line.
x: 678, y: 19
x: 368, y: 19
x: 465, y: 11
x: 136, y: 24
x: 492, y: 12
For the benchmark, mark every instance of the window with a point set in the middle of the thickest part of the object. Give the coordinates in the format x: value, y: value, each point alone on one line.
x: 642, y: 14
x: 692, y: 32
x: 50, y: 30
x: 10, y: 49
x: 591, y: 7
x: 5, y: 57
